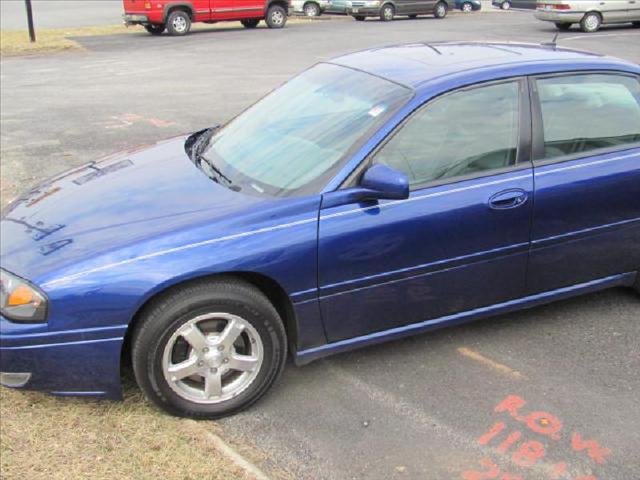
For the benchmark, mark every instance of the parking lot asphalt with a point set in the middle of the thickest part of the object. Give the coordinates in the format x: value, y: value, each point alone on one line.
x: 548, y: 393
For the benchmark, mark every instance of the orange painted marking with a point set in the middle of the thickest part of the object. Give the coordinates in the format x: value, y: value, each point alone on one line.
x: 505, y: 370
x: 594, y: 450
x: 545, y: 424
x: 511, y: 404
x: 491, y: 471
x: 509, y: 441
x: 559, y: 470
x: 528, y: 453
x: 493, y: 431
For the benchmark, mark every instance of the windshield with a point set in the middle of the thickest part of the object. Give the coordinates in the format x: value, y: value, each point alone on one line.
x: 294, y: 139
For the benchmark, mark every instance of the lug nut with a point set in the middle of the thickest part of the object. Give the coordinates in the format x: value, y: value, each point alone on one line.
x: 214, y: 370
x: 200, y: 364
x: 226, y: 360
x: 221, y: 348
x: 205, y: 349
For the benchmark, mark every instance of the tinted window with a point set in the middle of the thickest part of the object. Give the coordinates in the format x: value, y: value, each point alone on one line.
x: 581, y: 113
x: 292, y: 140
x: 461, y: 133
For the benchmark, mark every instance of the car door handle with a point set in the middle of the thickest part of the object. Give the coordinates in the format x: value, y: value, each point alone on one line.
x: 508, y: 199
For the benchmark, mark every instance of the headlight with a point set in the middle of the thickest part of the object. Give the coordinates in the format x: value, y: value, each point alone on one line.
x: 21, y: 301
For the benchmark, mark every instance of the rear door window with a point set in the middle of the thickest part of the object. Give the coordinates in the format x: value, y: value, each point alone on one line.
x: 587, y: 113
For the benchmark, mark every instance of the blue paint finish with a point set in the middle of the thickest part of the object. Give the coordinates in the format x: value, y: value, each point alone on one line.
x: 587, y: 215
x: 621, y: 280
x: 101, y: 240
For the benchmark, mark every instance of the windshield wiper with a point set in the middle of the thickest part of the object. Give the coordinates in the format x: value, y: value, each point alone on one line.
x: 217, y: 174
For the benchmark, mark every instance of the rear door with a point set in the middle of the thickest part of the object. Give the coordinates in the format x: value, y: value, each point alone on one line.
x: 586, y: 222
x: 616, y: 11
x: 249, y: 8
x: 223, y: 9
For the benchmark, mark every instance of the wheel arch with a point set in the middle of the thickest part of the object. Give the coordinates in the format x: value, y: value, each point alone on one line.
x: 172, y: 7
x: 282, y: 3
x: 267, y: 285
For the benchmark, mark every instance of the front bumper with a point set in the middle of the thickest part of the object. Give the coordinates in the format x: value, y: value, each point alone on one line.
x: 558, y: 17
x: 82, y: 362
x: 135, y: 19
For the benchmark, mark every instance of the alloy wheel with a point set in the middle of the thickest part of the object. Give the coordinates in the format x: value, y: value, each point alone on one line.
x: 212, y: 358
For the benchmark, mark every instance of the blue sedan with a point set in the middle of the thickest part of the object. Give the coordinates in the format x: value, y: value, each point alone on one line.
x: 382, y: 194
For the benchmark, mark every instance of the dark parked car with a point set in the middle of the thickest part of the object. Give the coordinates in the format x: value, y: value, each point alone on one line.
x: 507, y: 4
x: 342, y: 210
x: 468, y: 5
x: 387, y: 10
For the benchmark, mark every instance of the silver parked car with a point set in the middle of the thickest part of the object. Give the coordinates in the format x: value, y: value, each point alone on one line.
x: 310, y: 8
x: 591, y: 15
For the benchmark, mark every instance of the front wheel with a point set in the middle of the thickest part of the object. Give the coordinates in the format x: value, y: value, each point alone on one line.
x: 564, y: 27
x: 276, y: 17
x: 467, y: 7
x: 208, y: 349
x: 387, y: 12
x: 591, y: 22
x: 250, y: 22
x: 441, y: 10
x: 311, y: 9
x: 178, y: 23
x: 155, y: 29
x: 505, y: 5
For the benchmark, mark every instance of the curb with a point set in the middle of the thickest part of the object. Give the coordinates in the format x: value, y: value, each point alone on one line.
x: 234, y: 456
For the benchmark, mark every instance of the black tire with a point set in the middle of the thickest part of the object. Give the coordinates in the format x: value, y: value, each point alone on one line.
x: 250, y: 22
x: 636, y: 24
x: 178, y: 23
x: 505, y: 5
x: 591, y: 22
x: 166, y: 314
x: 155, y: 29
x: 359, y: 18
x: 412, y: 17
x: 467, y: 7
x: 637, y: 285
x: 564, y: 27
x: 311, y: 9
x: 387, y: 12
x: 276, y: 17
x: 440, y: 10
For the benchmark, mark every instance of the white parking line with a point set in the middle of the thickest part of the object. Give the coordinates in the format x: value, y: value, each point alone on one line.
x: 581, y: 37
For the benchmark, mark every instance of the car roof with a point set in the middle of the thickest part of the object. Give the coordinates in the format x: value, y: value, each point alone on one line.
x: 416, y: 64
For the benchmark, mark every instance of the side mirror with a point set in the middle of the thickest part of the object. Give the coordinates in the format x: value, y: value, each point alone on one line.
x: 385, y: 182
x: 377, y: 182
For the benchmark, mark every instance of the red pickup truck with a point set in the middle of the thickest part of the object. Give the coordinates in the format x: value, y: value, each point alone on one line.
x: 176, y: 16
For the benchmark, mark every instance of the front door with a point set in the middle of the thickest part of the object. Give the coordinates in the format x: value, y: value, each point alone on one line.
x: 586, y: 223
x: 459, y: 242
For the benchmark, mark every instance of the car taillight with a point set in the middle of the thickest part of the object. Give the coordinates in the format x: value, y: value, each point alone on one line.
x: 553, y: 6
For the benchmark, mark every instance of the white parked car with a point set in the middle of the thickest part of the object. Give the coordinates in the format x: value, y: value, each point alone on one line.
x: 591, y: 15
x: 310, y: 8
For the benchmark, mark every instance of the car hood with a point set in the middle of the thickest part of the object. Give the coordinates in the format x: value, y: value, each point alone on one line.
x: 106, y: 205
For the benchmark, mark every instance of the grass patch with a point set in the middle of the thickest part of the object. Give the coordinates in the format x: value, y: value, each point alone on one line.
x: 44, y: 437
x: 16, y: 42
